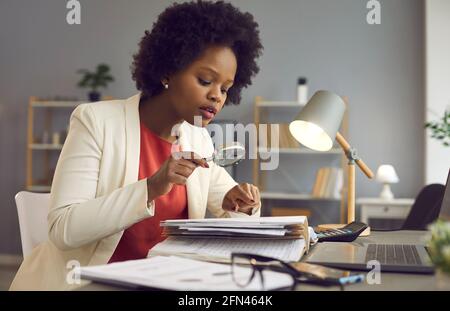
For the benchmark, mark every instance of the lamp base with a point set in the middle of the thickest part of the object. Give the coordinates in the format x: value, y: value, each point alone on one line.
x: 366, y: 232
x: 386, y: 193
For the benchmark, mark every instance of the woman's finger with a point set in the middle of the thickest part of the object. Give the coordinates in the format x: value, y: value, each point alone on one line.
x: 187, y: 163
x: 244, y: 195
x: 183, y: 170
x: 246, y: 210
x: 248, y: 188
x: 177, y: 179
x: 231, y: 205
x: 255, y: 193
x: 235, y: 206
x: 190, y: 156
x: 202, y: 163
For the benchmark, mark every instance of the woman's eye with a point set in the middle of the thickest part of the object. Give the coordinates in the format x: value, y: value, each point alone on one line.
x: 203, y: 82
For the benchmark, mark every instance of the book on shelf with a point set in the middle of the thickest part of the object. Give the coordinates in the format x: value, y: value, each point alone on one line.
x: 317, y: 183
x: 328, y: 183
x: 323, y: 185
x: 337, y: 191
x: 285, y: 138
x: 329, y: 188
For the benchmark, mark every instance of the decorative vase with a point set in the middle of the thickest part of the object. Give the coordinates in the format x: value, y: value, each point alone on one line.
x: 94, y: 96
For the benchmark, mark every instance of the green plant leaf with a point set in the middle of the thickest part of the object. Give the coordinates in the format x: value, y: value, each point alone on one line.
x: 102, y: 68
x: 93, y: 80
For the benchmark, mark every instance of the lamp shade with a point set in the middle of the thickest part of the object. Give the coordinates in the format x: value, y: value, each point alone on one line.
x: 386, y: 174
x: 317, y: 123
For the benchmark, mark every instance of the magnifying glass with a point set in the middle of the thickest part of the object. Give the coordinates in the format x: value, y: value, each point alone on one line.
x: 228, y: 154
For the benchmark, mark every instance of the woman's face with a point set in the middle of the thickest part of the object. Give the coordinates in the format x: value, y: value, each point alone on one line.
x: 201, y: 89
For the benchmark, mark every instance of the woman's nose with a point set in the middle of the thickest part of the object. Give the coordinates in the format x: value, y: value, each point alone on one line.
x: 214, y: 98
x: 214, y: 95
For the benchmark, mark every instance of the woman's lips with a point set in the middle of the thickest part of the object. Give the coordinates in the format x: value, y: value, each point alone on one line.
x: 206, y: 114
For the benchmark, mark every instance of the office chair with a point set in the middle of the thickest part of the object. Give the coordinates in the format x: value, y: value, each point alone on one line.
x: 426, y: 208
x: 32, y: 209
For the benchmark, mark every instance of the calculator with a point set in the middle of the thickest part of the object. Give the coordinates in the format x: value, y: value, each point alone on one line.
x: 345, y: 234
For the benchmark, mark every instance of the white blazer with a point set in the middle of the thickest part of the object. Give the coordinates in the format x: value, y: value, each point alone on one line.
x: 96, y: 194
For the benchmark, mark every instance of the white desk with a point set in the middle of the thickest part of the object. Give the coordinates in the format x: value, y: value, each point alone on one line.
x: 384, y: 209
x: 389, y: 281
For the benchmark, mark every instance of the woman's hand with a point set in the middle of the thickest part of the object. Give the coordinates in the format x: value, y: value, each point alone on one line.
x: 174, y: 171
x: 242, y: 198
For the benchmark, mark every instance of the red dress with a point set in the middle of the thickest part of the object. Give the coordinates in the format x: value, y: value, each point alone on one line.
x: 142, y: 236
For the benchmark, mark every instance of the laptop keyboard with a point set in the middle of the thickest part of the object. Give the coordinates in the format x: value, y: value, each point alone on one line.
x: 393, y: 254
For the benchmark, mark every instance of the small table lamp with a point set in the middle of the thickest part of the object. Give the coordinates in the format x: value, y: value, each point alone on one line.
x: 316, y: 126
x: 386, y: 174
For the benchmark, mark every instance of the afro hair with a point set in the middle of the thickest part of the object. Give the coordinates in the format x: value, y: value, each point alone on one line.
x: 183, y: 31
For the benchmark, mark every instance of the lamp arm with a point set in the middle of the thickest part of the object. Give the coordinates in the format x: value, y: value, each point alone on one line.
x: 365, y: 168
x: 351, y: 155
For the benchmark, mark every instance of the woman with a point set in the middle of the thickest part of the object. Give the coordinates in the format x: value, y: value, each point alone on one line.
x: 117, y: 178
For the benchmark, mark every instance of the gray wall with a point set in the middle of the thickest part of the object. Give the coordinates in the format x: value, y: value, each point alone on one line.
x: 380, y: 69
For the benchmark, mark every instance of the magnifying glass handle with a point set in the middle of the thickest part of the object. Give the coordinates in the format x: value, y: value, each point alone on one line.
x: 188, y: 155
x: 209, y: 159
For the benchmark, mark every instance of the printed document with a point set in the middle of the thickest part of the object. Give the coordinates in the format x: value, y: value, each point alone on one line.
x: 220, y: 249
x: 175, y: 273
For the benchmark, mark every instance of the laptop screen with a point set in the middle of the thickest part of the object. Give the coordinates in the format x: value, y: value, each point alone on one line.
x: 445, y: 208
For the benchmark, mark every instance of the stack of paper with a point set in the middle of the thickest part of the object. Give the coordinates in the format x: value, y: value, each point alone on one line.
x: 176, y: 273
x: 291, y: 227
x: 284, y: 238
x: 220, y: 250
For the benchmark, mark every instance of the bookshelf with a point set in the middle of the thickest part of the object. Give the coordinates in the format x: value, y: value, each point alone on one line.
x: 42, y: 150
x: 264, y: 112
x: 41, y: 115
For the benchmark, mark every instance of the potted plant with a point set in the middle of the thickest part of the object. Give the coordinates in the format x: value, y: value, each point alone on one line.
x: 439, y: 249
x: 441, y: 129
x: 94, y: 80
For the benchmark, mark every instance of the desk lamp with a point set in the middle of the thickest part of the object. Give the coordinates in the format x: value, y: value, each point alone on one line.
x: 316, y: 126
x: 386, y: 175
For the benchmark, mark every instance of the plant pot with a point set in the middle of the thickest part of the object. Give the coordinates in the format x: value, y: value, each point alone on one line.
x: 94, y: 96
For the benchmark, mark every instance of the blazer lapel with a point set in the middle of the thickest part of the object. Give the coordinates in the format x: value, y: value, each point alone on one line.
x: 195, y: 196
x: 133, y: 136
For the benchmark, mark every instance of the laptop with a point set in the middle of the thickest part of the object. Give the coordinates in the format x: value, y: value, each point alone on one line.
x: 392, y: 258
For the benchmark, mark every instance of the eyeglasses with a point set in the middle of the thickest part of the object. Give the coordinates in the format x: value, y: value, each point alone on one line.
x: 244, y: 268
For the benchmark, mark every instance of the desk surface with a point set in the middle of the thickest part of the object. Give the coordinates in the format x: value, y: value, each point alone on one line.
x: 389, y: 281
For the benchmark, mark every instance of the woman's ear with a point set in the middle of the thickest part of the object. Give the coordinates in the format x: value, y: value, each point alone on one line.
x: 165, y: 82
